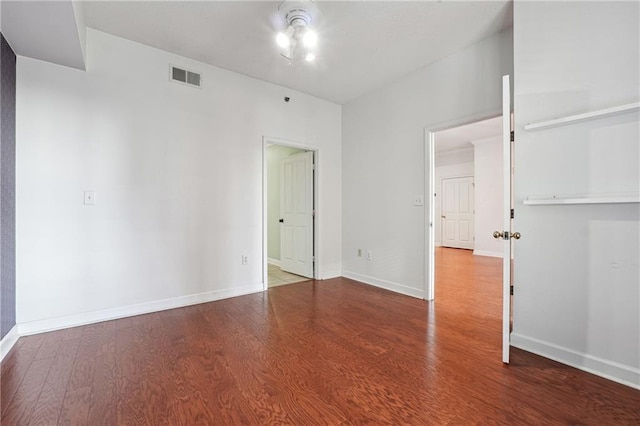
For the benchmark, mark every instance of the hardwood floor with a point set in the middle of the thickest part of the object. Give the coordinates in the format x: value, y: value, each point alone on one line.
x: 319, y: 352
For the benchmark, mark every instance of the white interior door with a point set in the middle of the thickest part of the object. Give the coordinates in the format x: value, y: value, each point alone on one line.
x: 296, y: 214
x: 505, y: 234
x: 457, y: 212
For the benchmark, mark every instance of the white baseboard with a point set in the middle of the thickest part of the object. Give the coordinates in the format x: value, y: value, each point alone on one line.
x: 611, y: 370
x: 41, y: 326
x: 275, y: 262
x: 387, y: 285
x: 8, y: 341
x: 327, y: 275
x: 487, y: 253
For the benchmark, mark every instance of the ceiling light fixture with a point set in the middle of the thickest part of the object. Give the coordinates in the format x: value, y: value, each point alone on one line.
x: 298, y: 42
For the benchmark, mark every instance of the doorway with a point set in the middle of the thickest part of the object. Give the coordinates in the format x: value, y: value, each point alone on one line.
x: 503, y: 233
x: 465, y: 182
x: 289, y: 188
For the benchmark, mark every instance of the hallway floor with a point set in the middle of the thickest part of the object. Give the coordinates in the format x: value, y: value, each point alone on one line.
x: 278, y: 277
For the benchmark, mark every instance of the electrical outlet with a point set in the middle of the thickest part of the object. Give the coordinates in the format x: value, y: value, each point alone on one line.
x: 369, y: 255
x: 359, y: 252
x: 245, y: 259
x: 89, y: 198
x: 418, y: 200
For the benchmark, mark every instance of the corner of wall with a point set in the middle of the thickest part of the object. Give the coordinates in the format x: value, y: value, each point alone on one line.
x: 8, y: 341
x: 78, y: 12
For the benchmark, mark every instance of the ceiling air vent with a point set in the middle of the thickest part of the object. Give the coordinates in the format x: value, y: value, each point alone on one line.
x: 184, y: 76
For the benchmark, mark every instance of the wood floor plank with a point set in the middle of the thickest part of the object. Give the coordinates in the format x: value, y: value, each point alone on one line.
x: 49, y: 405
x: 20, y: 408
x: 334, y: 352
x: 12, y: 371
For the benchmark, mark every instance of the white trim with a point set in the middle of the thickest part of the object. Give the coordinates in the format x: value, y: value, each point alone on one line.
x: 429, y: 226
x: 41, y: 326
x: 272, y: 261
x: 610, y: 370
x: 331, y: 274
x: 487, y: 253
x: 387, y: 285
x: 576, y: 118
x: 8, y: 341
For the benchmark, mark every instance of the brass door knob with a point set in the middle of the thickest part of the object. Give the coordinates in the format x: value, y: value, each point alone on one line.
x: 516, y: 235
x: 498, y: 235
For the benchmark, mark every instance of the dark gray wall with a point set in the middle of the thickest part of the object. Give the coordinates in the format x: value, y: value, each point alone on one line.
x: 7, y: 187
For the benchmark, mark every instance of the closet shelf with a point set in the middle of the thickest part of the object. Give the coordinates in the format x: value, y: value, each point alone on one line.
x: 584, y: 199
x: 570, y: 119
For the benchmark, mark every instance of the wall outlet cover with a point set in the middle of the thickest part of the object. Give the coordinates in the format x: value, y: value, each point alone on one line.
x: 89, y: 198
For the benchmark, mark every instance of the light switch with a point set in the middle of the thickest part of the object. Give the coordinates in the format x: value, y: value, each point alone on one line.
x: 89, y: 198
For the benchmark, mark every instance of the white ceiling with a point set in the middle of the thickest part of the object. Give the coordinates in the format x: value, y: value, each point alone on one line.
x: 45, y: 30
x: 363, y: 45
x: 458, y: 138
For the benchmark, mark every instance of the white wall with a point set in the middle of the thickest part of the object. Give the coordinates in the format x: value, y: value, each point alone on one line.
x: 178, y: 175
x: 448, y: 164
x: 275, y: 154
x: 384, y: 152
x: 488, y: 195
x: 577, y: 273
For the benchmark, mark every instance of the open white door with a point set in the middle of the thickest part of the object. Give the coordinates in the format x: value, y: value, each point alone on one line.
x: 296, y: 214
x: 505, y: 234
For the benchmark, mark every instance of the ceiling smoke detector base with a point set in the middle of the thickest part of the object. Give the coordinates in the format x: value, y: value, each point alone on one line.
x: 298, y: 18
x: 297, y: 13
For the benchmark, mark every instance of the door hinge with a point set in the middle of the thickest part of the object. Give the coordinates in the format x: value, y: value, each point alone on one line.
x: 313, y: 213
x: 513, y: 136
x: 313, y: 258
x: 512, y: 213
x: 511, y: 289
x: 313, y: 166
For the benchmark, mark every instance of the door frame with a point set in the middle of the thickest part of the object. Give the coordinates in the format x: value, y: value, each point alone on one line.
x: 266, y: 141
x: 429, y: 184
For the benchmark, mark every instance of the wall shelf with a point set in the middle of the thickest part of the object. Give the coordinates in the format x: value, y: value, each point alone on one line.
x: 584, y: 199
x: 570, y: 119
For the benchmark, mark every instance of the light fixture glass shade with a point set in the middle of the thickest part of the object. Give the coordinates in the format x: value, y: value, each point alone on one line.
x: 297, y: 42
x: 282, y: 40
x: 310, y: 38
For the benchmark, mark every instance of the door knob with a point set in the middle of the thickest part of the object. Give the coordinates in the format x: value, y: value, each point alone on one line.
x: 514, y: 235
x: 281, y: 220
